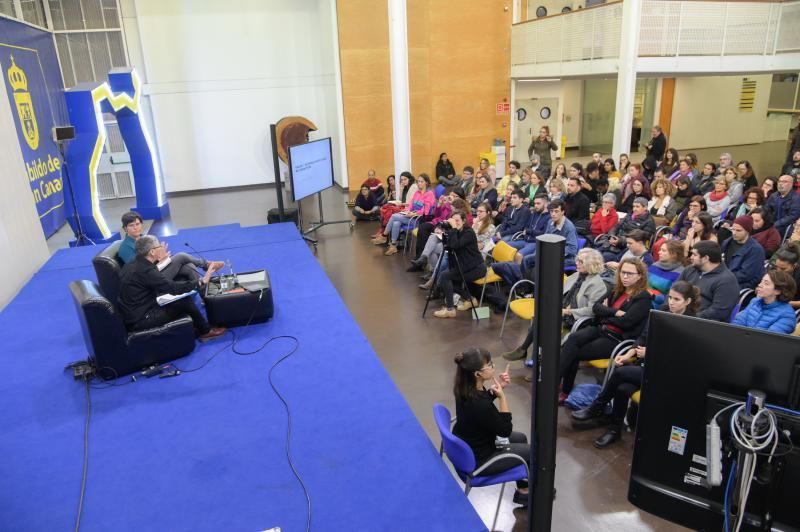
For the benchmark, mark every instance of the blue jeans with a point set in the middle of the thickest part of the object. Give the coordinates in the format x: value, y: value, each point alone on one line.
x: 524, y: 248
x: 511, y: 272
x: 395, y: 223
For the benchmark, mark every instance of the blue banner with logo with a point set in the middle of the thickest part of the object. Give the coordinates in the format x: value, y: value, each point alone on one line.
x: 32, y: 77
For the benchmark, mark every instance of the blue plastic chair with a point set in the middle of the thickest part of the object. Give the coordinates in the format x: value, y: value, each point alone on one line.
x: 409, y: 229
x: 463, y: 460
x: 439, y: 190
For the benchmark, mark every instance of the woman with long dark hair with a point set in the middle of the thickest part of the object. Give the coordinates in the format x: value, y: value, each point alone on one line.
x: 702, y: 229
x: 445, y: 172
x: 621, y: 315
x: 626, y: 376
x: 682, y: 225
x: 407, y: 190
x: 747, y: 175
x: 542, y: 146
x: 479, y: 422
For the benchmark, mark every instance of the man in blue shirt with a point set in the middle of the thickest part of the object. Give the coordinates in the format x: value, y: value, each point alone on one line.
x: 516, y: 219
x: 784, y: 204
x: 511, y: 272
x: 537, y: 225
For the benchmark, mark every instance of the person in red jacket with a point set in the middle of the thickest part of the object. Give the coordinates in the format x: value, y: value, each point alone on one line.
x: 764, y: 231
x: 605, y: 217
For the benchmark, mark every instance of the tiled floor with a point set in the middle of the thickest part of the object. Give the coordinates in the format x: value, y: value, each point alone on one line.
x: 418, y: 353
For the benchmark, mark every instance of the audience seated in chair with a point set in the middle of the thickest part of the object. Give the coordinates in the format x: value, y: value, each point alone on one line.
x: 784, y: 204
x: 408, y: 187
x: 663, y: 273
x: 662, y: 206
x: 719, y: 289
x: 512, y: 177
x: 764, y: 231
x: 484, y: 191
x: 787, y: 259
x: 367, y: 208
x: 606, y: 217
x: 702, y: 229
x: 465, y: 267
x: 744, y: 256
x: 479, y: 422
x: 576, y: 206
x: 515, y: 218
x: 537, y: 225
x: 621, y: 314
x: 614, y: 243
x: 511, y: 271
x: 718, y: 200
x: 626, y: 375
x: 142, y: 283
x: 441, y: 213
x: 445, y: 171
x: 421, y: 203
x: 484, y: 228
x: 770, y: 309
x: 582, y: 290
x: 179, y: 266
x: 636, y: 248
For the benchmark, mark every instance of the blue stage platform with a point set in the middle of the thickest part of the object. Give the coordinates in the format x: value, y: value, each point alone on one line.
x: 205, y: 451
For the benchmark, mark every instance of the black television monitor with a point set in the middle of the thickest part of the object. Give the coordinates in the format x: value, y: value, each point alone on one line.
x: 310, y: 168
x: 693, y: 368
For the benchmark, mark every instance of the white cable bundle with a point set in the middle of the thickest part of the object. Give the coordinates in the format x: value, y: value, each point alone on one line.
x: 752, y: 441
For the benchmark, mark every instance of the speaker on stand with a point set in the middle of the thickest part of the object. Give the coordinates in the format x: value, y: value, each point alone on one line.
x: 61, y: 135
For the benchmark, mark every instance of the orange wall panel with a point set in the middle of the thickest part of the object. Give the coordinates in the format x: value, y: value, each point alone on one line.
x: 366, y: 88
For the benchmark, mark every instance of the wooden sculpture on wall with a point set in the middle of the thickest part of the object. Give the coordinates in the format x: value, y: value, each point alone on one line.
x: 292, y: 130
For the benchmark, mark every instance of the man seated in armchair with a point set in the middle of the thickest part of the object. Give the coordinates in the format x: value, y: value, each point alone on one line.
x: 141, y: 283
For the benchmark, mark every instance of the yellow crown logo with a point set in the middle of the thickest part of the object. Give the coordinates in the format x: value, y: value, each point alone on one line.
x: 17, y: 78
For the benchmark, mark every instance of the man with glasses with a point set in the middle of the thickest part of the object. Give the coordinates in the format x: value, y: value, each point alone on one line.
x: 784, y: 204
x: 719, y: 289
x: 725, y: 161
x: 141, y: 283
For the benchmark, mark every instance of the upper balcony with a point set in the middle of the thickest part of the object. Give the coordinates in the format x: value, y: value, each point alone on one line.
x: 693, y: 37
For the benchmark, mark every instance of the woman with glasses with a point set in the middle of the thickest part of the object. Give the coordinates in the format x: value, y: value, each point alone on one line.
x: 626, y: 377
x: 480, y: 422
x: 696, y: 205
x: 621, y: 315
x: 718, y: 200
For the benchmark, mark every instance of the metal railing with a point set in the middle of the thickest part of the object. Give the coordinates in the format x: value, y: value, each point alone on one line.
x: 667, y: 29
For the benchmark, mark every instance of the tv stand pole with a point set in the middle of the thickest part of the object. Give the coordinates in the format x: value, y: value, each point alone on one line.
x: 312, y: 241
x: 321, y: 223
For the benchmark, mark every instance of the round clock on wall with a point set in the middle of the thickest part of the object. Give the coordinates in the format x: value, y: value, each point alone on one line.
x: 544, y: 113
x: 522, y: 114
x: 541, y: 11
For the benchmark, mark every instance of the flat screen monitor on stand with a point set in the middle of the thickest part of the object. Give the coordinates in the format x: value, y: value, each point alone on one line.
x: 694, y: 371
x: 311, y: 172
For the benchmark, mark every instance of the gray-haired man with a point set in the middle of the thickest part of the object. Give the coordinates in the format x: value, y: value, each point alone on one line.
x: 141, y: 283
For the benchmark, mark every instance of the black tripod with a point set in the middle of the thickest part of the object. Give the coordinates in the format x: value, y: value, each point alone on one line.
x: 80, y: 236
x: 437, y: 270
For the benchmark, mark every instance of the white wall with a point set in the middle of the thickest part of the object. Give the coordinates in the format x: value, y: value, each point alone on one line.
x: 22, y: 245
x: 218, y: 73
x: 569, y: 94
x: 706, y: 112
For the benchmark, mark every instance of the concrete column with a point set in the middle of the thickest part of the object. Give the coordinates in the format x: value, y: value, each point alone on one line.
x: 626, y: 76
x: 398, y: 67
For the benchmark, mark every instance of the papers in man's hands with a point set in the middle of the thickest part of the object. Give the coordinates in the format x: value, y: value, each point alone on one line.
x: 163, y: 264
x: 166, y: 299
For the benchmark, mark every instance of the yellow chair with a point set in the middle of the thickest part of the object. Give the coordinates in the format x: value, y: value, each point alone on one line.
x: 523, y: 307
x: 636, y: 397
x: 501, y: 252
x: 607, y: 364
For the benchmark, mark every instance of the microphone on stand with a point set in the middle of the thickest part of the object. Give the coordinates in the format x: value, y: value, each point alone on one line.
x: 221, y: 287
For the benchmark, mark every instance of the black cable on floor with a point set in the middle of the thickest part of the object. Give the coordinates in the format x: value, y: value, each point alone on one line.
x: 85, y: 456
x: 288, y: 421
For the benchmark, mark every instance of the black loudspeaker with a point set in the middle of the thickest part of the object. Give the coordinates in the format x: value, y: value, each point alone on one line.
x: 289, y: 215
x: 63, y: 133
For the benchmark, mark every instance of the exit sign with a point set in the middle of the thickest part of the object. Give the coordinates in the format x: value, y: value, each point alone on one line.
x: 503, y: 108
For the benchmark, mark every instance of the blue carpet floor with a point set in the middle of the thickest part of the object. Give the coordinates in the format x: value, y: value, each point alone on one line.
x: 205, y: 451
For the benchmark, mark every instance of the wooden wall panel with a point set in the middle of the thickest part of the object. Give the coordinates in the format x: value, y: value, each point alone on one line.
x: 459, y: 57
x: 366, y: 87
